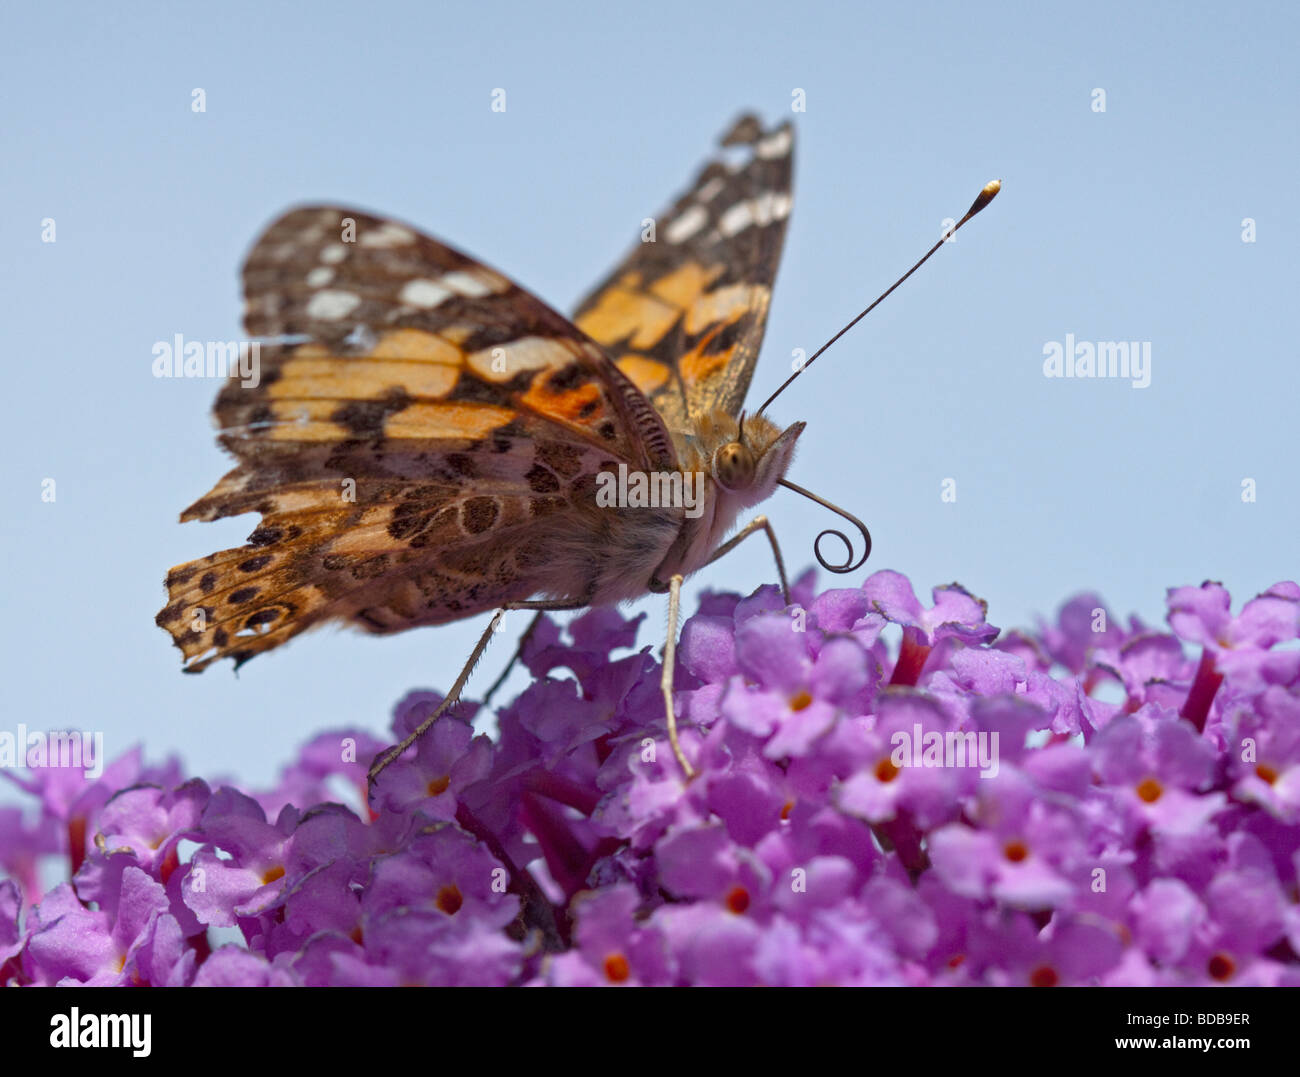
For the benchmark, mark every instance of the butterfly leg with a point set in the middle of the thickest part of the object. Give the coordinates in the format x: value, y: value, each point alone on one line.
x: 674, y: 589
x: 670, y: 667
x: 519, y: 651
x: 758, y: 523
x: 392, y: 754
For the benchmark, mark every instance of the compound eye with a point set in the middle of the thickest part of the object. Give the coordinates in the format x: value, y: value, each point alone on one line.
x: 733, y: 466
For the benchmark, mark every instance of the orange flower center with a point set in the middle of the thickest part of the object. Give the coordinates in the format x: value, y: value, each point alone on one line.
x: 1044, y: 976
x: 1015, y: 851
x: 449, y: 899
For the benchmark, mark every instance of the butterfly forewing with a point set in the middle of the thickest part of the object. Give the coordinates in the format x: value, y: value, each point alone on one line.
x: 683, y: 315
x: 406, y: 336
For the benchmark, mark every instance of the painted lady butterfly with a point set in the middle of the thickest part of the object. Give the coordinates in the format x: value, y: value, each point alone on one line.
x: 429, y: 441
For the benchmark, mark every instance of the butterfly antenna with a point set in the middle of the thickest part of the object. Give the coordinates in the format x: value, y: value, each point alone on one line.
x: 983, y: 199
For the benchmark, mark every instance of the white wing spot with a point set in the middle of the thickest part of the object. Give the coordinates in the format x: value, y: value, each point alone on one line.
x: 424, y: 293
x: 736, y: 219
x: 387, y: 234
x: 319, y: 277
x: 772, y: 206
x: 686, y: 225
x: 710, y: 190
x: 761, y: 209
x: 465, y: 284
x: 331, y: 306
x: 333, y: 254
x: 777, y: 145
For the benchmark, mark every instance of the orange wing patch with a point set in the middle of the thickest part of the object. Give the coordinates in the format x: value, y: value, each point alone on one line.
x: 647, y: 375
x: 623, y: 313
x: 684, y: 285
x: 686, y: 313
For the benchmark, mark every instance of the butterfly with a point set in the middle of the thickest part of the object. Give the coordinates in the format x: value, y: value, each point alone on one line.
x: 428, y: 440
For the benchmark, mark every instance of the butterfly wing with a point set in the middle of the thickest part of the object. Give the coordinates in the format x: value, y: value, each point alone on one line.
x: 684, y: 315
x: 418, y: 423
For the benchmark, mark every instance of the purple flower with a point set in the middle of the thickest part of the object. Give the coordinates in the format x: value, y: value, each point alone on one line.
x: 610, y: 948
x: 956, y: 615
x: 149, y: 822
x: 903, y: 766
x: 1241, y: 644
x: 1022, y: 862
x: 798, y: 695
x: 951, y: 808
x: 1084, y: 627
x: 442, y: 764
x: 132, y: 940
x: 1157, y: 771
x: 1202, y: 615
x: 1264, y: 753
x: 233, y: 966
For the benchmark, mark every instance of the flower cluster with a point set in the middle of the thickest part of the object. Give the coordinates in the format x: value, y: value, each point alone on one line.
x: 885, y: 793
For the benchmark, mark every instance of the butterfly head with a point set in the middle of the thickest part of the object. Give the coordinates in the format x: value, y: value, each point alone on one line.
x: 744, y: 457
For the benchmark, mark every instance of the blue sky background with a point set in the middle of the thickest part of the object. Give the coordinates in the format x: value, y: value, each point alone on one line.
x: 1122, y: 225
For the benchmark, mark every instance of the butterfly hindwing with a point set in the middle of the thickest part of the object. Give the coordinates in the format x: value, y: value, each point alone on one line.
x: 683, y: 314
